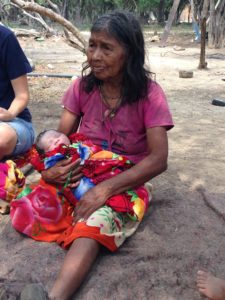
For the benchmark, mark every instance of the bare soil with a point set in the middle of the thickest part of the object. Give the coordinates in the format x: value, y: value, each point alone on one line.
x: 183, y: 230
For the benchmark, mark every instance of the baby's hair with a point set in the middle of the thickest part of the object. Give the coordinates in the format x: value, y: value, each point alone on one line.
x: 39, y: 148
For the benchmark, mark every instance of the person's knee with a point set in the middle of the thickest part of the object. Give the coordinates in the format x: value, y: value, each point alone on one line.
x: 8, y: 140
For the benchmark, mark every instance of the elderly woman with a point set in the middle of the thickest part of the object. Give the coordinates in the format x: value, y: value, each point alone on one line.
x: 118, y: 106
x: 16, y: 130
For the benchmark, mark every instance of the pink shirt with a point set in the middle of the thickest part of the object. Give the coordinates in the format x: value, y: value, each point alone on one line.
x: 124, y: 134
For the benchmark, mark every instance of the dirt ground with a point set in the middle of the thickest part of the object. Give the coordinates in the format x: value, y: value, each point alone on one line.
x: 183, y: 230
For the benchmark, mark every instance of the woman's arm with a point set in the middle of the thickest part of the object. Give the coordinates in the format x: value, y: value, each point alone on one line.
x: 58, y: 174
x: 69, y: 122
x: 20, y: 87
x: 151, y: 166
x: 154, y: 164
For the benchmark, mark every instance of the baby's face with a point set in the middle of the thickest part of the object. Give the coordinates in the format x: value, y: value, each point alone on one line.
x: 52, y: 139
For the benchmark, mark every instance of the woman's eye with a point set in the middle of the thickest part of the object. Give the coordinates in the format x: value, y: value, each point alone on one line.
x: 106, y: 47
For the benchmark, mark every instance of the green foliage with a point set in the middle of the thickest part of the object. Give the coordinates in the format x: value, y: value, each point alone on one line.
x: 148, y: 5
x: 92, y: 8
x: 86, y: 11
x: 40, y: 2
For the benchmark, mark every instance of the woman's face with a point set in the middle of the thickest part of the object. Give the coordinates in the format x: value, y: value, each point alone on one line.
x: 106, y: 56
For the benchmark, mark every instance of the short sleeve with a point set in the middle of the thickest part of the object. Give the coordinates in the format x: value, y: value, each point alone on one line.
x: 15, y: 61
x: 71, y: 98
x: 156, y: 109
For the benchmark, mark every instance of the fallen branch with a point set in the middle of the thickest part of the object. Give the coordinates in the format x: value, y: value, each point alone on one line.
x: 26, y: 32
x: 38, y: 18
x: 34, y: 7
x: 50, y: 75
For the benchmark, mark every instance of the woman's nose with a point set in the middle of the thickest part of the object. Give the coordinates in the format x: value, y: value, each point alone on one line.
x: 97, y: 54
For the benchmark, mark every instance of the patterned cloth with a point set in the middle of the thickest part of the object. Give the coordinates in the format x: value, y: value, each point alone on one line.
x: 44, y: 212
x: 98, y: 165
x: 12, y: 180
x: 23, y: 159
x: 44, y: 216
x: 106, y: 226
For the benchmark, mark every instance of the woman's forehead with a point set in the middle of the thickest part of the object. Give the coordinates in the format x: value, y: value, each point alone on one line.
x: 103, y: 35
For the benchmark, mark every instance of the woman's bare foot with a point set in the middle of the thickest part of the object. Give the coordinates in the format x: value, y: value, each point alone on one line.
x: 211, y: 286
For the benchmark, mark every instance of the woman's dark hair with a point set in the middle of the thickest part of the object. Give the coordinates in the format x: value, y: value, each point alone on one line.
x: 125, y: 28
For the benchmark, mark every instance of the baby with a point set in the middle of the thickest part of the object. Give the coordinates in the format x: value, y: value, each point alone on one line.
x: 48, y: 140
x: 98, y: 165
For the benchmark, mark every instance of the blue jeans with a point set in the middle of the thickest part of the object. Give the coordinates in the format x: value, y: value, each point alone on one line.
x: 25, y: 135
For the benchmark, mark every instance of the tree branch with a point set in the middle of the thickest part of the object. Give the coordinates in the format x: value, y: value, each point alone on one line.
x: 53, y: 6
x: 28, y: 6
x: 38, y: 18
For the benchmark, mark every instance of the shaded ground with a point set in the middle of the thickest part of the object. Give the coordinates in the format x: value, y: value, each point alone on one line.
x: 181, y: 232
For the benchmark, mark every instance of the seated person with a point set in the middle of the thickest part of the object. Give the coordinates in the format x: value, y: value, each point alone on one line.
x: 120, y: 108
x: 16, y: 129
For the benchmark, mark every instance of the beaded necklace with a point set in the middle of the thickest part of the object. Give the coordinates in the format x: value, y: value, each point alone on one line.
x: 110, y: 111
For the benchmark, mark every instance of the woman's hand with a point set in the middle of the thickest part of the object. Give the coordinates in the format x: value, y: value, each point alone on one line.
x: 61, y: 171
x: 5, y: 115
x: 90, y: 202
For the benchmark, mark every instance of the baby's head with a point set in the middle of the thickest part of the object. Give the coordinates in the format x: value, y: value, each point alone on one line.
x: 50, y: 139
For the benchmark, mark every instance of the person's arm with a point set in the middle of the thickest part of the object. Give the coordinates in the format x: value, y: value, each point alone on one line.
x: 69, y: 122
x: 154, y: 164
x: 58, y: 174
x: 151, y: 166
x: 20, y: 87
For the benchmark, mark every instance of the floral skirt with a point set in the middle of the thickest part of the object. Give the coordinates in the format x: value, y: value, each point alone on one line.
x: 106, y: 226
x: 44, y: 216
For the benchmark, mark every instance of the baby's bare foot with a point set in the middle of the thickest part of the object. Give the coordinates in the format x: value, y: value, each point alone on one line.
x: 211, y: 286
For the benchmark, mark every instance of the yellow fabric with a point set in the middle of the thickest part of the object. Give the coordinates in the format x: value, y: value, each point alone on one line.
x: 14, y: 182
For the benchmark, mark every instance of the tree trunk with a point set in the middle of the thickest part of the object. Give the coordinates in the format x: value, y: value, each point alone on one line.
x: 217, y: 24
x: 77, y: 14
x: 161, y: 17
x: 205, y: 9
x: 220, y: 24
x: 65, y: 12
x: 195, y: 9
x: 202, y: 62
x: 212, y: 24
x: 169, y: 23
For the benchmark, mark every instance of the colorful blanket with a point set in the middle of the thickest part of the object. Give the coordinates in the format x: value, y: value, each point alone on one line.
x: 98, y: 165
x: 40, y: 213
x: 44, y: 211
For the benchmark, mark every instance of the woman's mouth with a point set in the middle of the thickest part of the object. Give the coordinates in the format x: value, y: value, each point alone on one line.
x: 97, y: 69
